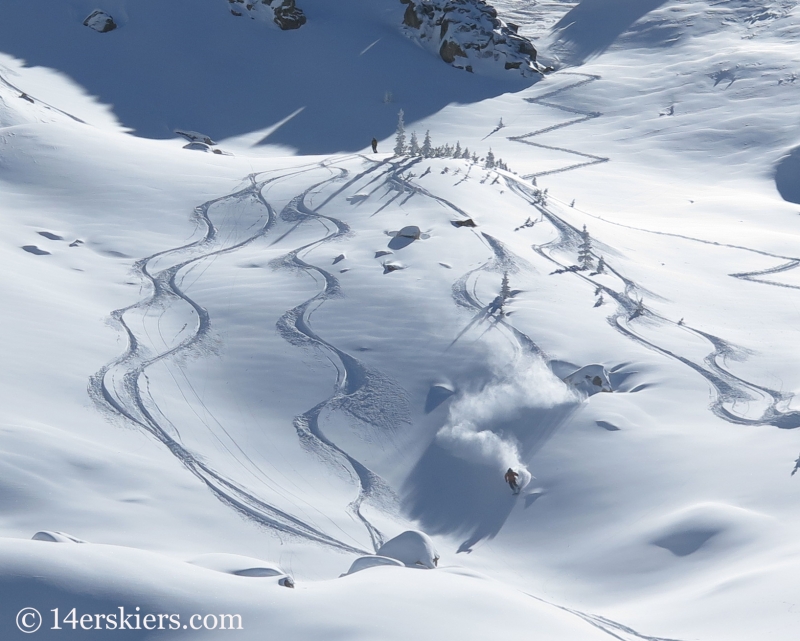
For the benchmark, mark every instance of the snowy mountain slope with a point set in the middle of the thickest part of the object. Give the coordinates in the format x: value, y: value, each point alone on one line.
x: 267, y: 351
x: 248, y: 75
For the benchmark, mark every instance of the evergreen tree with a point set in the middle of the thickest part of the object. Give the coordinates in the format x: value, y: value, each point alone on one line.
x: 585, y: 250
x: 601, y: 266
x: 413, y: 148
x: 489, y: 164
x: 400, y: 137
x: 465, y: 154
x: 457, y: 151
x: 505, y: 290
x: 427, y: 147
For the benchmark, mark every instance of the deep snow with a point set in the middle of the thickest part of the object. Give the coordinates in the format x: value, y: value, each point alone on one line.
x: 210, y: 355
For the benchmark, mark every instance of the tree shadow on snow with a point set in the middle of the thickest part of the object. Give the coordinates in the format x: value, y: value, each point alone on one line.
x: 336, y: 82
x: 787, y: 176
x: 449, y: 495
x: 592, y: 26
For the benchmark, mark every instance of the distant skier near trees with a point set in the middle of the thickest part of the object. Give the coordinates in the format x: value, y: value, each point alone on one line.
x: 374, y: 145
x: 511, y: 478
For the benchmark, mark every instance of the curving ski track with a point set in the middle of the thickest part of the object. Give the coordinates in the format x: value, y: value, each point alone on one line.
x: 610, y: 627
x: 728, y: 387
x: 117, y: 386
x: 583, y: 116
x: 35, y: 100
x: 502, y: 260
x: 365, y: 394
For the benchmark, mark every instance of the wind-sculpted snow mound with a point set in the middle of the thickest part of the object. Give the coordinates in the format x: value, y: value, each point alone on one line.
x: 468, y: 35
x: 109, y: 588
x: 372, y: 561
x: 590, y: 379
x: 412, y: 548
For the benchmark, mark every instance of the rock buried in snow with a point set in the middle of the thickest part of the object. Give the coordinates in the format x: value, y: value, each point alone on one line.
x: 411, y: 231
x: 438, y: 394
x: 283, y: 13
x: 100, y: 21
x: 372, y: 561
x: 590, y: 379
x: 195, y: 136
x: 242, y: 566
x: 392, y: 267
x: 56, y: 537
x: 464, y: 223
x: 197, y: 146
x: 412, y: 548
x: 288, y: 16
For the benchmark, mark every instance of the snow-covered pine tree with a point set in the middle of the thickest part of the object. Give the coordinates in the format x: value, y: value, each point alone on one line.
x: 585, y: 250
x: 413, y: 147
x: 465, y: 154
x: 601, y: 266
x: 400, y: 137
x: 427, y: 147
x: 457, y: 151
x: 505, y: 289
x: 489, y: 164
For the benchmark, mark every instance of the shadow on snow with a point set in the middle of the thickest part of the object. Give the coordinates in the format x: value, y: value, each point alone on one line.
x: 449, y: 495
x: 173, y: 65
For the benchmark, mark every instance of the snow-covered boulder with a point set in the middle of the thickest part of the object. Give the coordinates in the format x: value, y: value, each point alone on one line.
x: 195, y: 136
x: 242, y: 566
x: 410, y: 231
x: 590, y: 379
x: 100, y: 21
x: 468, y: 35
x: 283, y: 13
x: 412, y: 548
x: 372, y: 561
x: 197, y: 146
x: 56, y: 537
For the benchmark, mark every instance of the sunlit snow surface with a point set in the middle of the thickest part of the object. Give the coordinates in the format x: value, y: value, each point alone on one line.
x: 238, y: 354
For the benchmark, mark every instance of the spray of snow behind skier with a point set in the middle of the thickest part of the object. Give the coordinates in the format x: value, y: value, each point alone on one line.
x: 468, y: 434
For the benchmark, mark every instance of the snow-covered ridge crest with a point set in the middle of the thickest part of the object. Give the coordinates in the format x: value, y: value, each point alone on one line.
x: 468, y: 35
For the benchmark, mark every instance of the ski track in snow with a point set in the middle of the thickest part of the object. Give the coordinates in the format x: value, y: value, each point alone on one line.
x: 583, y: 117
x: 728, y: 388
x: 610, y: 627
x: 365, y: 394
x: 26, y: 96
x: 502, y: 260
x: 117, y: 386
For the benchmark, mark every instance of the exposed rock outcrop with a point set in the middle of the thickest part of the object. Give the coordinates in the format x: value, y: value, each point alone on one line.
x: 467, y: 34
x: 283, y: 13
x: 100, y: 21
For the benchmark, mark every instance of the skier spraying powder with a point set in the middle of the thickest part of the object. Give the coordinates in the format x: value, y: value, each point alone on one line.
x: 511, y: 478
